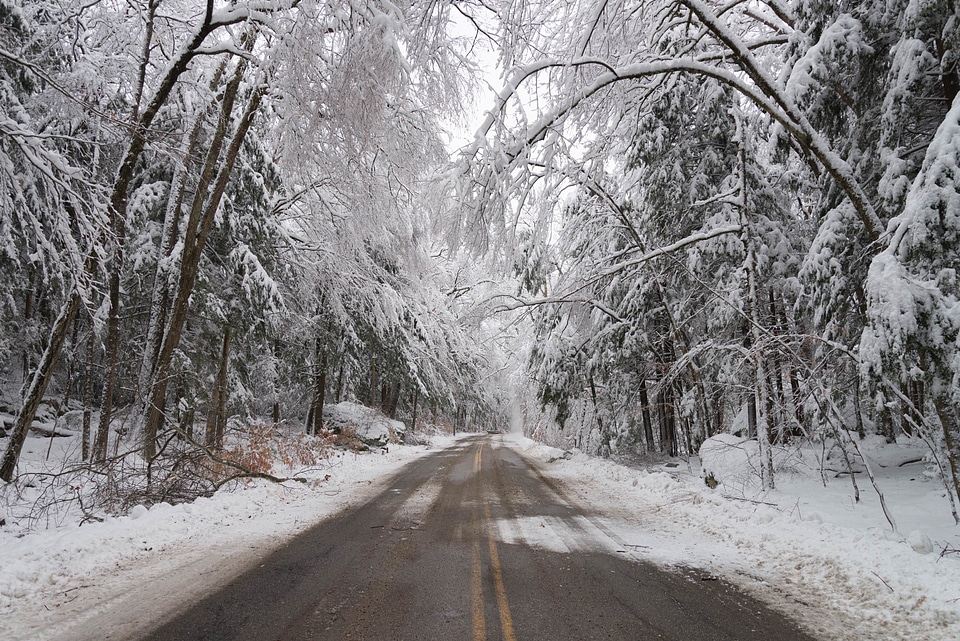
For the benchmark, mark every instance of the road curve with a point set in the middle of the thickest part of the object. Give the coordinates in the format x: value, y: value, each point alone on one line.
x: 472, y: 544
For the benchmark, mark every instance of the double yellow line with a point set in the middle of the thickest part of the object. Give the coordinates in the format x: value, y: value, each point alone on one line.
x: 503, y: 606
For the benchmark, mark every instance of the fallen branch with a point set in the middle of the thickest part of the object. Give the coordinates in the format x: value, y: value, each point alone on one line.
x: 737, y: 498
x: 42, y: 431
x: 884, y: 582
x: 911, y: 462
x: 947, y: 550
x: 243, y: 471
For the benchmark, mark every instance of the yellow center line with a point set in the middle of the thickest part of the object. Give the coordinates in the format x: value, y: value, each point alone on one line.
x: 506, y: 621
x: 479, y: 624
x: 503, y: 606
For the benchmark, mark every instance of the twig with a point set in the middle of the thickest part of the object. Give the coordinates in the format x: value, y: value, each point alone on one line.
x: 243, y: 472
x: 66, y: 592
x: 947, y: 550
x: 884, y: 582
x: 737, y: 498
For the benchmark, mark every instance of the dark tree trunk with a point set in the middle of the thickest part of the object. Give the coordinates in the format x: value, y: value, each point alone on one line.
x: 38, y: 385
x: 385, y: 391
x: 645, y: 414
x: 394, y: 401
x: 27, y: 344
x: 668, y: 424
x: 276, y: 394
x: 950, y: 420
x: 88, y: 394
x: 950, y: 78
x: 372, y: 401
x: 858, y: 413
x: 112, y: 345
x: 319, y: 390
x: 801, y: 429
x: 413, y: 417
x: 217, y: 415
x: 340, y: 381
x: 198, y: 230
x: 774, y: 427
x: 912, y: 410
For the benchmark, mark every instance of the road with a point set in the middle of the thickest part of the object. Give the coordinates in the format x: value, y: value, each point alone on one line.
x: 470, y: 543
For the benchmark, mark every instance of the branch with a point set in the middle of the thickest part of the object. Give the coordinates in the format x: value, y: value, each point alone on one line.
x: 244, y: 472
x: 680, y: 244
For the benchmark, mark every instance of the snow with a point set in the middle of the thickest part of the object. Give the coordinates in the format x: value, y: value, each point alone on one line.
x: 809, y: 550
x: 66, y: 581
x: 369, y: 425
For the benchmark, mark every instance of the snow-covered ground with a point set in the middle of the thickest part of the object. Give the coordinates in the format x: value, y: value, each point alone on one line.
x: 811, y: 551
x: 65, y: 582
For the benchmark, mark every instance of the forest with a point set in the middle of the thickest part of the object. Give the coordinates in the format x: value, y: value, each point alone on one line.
x: 626, y: 225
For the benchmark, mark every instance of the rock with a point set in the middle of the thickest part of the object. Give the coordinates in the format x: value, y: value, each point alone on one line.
x: 920, y: 542
x: 370, y: 426
x: 137, y: 511
x: 72, y: 420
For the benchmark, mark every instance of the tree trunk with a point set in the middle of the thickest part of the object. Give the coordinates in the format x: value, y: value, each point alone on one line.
x: 223, y: 388
x: 795, y: 404
x: 753, y: 306
x: 186, y: 412
x: 773, y: 427
x: 276, y: 393
x: 763, y: 426
x: 198, y: 229
x: 668, y: 427
x: 950, y: 420
x: 340, y: 381
x: 38, y: 385
x: 645, y: 414
x: 394, y: 401
x: 111, y: 347
x: 386, y: 389
x: 413, y: 417
x: 217, y: 416
x: 858, y: 413
x: 85, y: 451
x: 27, y: 344
x: 319, y: 389
x: 682, y: 341
x: 372, y: 402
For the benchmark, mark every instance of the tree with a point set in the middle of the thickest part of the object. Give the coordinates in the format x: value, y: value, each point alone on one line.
x: 848, y: 96
x: 913, y: 330
x: 159, y: 232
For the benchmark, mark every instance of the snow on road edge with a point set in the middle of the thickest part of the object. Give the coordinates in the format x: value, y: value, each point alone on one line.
x: 125, y: 575
x: 841, y: 584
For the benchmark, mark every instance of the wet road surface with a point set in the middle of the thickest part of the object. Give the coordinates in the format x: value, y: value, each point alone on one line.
x: 470, y: 543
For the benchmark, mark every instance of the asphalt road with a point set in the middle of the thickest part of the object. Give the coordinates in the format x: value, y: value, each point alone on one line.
x: 470, y: 544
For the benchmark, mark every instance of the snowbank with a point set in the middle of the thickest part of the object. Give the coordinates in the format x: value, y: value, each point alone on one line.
x: 370, y: 425
x: 811, y: 551
x: 70, y: 575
